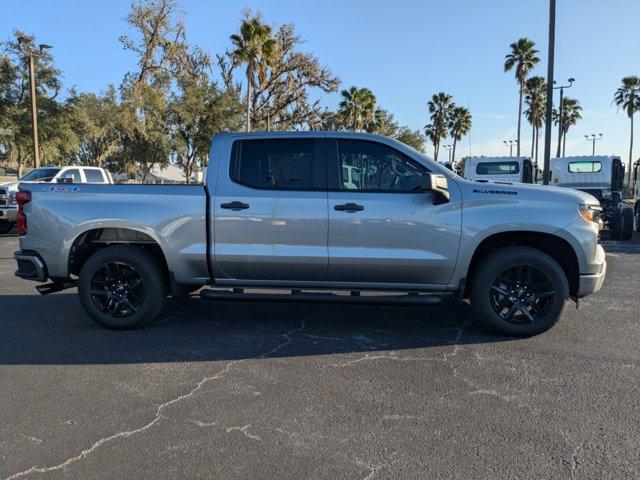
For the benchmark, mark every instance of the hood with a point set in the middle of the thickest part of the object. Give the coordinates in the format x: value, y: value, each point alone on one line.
x: 527, y: 191
x: 10, y: 186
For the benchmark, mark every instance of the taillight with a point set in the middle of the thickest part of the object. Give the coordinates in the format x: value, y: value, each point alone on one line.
x: 22, y: 197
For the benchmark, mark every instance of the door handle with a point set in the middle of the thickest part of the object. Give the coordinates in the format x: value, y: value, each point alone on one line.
x: 349, y: 207
x: 235, y: 206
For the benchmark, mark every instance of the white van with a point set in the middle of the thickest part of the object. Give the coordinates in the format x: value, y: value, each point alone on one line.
x: 500, y: 169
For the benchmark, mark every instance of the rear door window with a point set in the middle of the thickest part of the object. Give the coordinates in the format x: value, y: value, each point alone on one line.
x: 93, y: 175
x: 279, y: 164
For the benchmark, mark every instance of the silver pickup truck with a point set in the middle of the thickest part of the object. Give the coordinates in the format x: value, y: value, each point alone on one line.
x: 316, y: 216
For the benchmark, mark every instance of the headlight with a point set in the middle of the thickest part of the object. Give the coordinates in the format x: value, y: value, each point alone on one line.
x: 12, y: 199
x: 590, y: 212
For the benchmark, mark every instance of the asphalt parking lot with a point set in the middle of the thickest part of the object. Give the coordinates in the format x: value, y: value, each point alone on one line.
x: 231, y: 390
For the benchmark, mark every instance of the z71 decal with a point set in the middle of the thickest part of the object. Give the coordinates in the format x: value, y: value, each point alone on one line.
x: 58, y: 189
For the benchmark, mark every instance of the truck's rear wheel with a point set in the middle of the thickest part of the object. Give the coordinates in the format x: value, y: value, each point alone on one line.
x: 6, y: 227
x: 122, y: 287
x: 616, y: 223
x: 519, y: 291
x: 627, y: 224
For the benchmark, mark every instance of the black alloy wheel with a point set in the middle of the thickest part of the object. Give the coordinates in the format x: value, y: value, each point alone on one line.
x: 522, y: 294
x: 117, y: 290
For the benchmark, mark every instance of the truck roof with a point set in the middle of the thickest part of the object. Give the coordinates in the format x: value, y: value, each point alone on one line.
x: 577, y: 158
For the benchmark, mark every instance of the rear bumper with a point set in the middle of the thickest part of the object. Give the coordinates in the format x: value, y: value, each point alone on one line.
x: 8, y: 214
x: 30, y: 266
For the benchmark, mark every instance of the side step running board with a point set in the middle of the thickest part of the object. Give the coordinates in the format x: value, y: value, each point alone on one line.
x: 320, y: 297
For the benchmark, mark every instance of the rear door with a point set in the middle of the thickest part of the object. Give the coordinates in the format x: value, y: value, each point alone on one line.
x: 270, y: 210
x: 382, y: 229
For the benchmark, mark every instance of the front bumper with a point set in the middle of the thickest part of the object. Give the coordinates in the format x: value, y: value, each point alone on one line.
x: 8, y: 214
x: 30, y: 266
x: 591, y: 283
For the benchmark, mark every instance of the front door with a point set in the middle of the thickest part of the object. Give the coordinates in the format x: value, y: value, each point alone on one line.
x: 382, y: 228
x: 270, y: 211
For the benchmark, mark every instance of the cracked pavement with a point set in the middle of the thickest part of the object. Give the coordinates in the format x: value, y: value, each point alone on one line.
x: 232, y: 390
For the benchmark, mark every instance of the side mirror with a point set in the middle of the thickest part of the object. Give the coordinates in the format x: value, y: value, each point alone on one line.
x: 67, y: 178
x: 431, y: 182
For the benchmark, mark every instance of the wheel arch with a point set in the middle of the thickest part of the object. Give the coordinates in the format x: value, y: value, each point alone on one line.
x: 553, y: 245
x: 91, y: 240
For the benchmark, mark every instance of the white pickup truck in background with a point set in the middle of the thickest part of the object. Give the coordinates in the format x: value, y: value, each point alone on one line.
x: 70, y: 174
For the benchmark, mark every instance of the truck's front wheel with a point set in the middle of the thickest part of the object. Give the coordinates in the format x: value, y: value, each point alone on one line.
x: 519, y: 291
x: 122, y: 287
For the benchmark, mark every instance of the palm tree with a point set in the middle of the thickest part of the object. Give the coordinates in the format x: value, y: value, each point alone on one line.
x: 570, y: 115
x: 523, y: 57
x: 459, y: 126
x: 440, y: 107
x: 627, y: 97
x: 535, y: 99
x: 358, y: 107
x: 255, y: 47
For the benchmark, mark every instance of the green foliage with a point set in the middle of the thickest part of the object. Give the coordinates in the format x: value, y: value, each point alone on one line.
x: 439, y: 107
x: 627, y: 97
x: 522, y: 58
x: 413, y: 138
x: 357, y: 107
x: 535, y: 100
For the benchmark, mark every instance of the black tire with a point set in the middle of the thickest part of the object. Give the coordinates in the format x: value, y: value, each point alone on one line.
x: 6, y: 227
x: 616, y: 223
x: 638, y: 219
x: 627, y: 224
x: 548, y: 307
x: 124, y: 262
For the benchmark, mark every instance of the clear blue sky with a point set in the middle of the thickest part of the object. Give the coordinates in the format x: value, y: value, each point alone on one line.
x: 404, y: 50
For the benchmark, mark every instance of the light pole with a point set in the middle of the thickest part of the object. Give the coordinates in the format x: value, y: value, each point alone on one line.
x: 560, y: 116
x: 510, y: 144
x: 593, y: 138
x: 549, y: 103
x: 448, y: 149
x: 32, y: 80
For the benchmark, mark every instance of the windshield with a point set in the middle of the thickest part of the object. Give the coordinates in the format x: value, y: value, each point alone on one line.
x: 40, y: 174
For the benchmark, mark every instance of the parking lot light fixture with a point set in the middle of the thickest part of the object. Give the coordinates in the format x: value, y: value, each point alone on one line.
x: 22, y: 40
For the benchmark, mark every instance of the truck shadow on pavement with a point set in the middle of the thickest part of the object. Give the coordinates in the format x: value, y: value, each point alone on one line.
x: 55, y: 330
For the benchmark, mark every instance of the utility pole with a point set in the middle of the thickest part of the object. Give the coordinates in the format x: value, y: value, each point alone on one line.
x: 510, y: 144
x: 593, y: 138
x: 32, y: 80
x: 550, y: 59
x: 561, y: 111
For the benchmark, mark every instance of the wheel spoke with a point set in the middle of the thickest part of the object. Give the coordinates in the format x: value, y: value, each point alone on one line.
x: 100, y: 293
x: 500, y: 290
x: 131, y: 306
x: 510, y: 313
x: 526, y: 313
x: 109, y: 272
